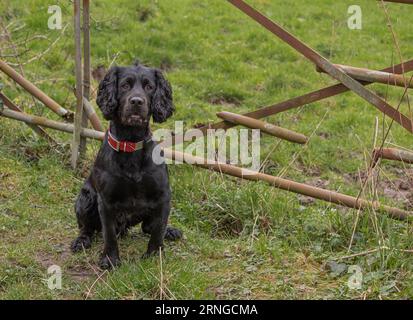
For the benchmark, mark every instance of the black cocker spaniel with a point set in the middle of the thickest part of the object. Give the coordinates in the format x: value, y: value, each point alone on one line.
x: 126, y: 186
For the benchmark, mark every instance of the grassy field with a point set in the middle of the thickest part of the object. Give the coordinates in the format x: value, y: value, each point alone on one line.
x: 242, y: 240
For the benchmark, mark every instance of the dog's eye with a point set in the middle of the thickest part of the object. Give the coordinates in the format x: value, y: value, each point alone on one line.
x: 148, y: 87
x: 125, y: 86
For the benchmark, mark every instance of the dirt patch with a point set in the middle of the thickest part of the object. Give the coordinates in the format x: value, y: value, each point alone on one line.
x: 99, y: 73
x: 224, y: 100
x: 324, y: 135
x: 77, y: 273
x: 315, y: 182
x: 166, y: 64
x: 199, y: 125
x: 144, y: 13
x: 399, y: 189
x: 229, y: 226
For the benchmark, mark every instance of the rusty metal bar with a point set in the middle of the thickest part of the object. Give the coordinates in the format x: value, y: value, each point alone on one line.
x: 364, y: 74
x: 35, y: 128
x: 35, y: 91
x: 79, y: 85
x: 263, y: 126
x: 326, y: 65
x: 296, y: 102
x: 86, y: 70
x: 44, y: 122
x: 393, y: 154
x: 288, y: 185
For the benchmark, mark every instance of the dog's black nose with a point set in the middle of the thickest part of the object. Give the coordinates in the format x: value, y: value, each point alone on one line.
x: 136, y: 101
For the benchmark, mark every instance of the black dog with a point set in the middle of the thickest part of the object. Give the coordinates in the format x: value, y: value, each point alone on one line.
x: 126, y: 186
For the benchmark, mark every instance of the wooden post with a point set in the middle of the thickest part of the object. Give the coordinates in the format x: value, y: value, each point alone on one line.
x: 79, y: 86
x: 86, y: 70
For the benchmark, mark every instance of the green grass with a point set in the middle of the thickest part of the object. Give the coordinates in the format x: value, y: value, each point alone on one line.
x: 242, y: 240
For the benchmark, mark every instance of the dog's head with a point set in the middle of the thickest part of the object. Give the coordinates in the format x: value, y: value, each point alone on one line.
x: 131, y: 95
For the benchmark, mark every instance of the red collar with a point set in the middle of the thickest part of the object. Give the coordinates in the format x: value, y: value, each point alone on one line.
x: 124, y: 146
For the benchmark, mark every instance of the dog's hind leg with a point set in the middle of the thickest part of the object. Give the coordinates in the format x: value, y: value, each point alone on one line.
x: 87, y: 217
x: 172, y: 233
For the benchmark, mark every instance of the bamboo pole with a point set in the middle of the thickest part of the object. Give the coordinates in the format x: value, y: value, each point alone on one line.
x: 86, y: 70
x: 393, y: 154
x: 263, y: 126
x: 91, y: 114
x: 364, y: 74
x: 35, y: 91
x: 288, y: 185
x: 79, y: 86
x: 44, y: 122
x: 35, y: 128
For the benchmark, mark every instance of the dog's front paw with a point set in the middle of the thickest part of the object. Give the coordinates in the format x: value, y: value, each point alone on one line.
x: 173, y: 234
x: 147, y: 255
x: 80, y: 243
x: 107, y: 263
x: 151, y: 253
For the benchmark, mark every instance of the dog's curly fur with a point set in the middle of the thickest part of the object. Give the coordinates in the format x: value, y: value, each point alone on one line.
x: 125, y: 189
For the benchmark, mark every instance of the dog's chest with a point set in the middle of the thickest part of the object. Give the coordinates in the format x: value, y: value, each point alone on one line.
x: 134, y: 194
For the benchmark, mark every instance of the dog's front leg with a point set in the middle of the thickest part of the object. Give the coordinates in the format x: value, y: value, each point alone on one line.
x: 157, y: 228
x: 110, y: 255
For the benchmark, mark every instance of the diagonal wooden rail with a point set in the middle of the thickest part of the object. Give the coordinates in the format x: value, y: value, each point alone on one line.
x: 325, y: 65
x: 35, y: 91
x: 41, y: 132
x: 266, y: 127
x: 296, y: 102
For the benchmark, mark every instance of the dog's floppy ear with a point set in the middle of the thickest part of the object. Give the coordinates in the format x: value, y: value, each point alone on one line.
x: 162, y: 104
x: 107, y: 93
